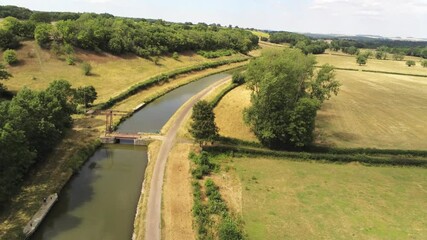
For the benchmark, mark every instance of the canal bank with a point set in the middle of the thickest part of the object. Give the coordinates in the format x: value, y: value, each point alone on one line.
x: 78, y: 212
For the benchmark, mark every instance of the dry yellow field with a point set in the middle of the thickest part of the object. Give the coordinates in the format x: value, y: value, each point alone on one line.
x: 376, y: 110
x: 348, y: 61
x: 229, y: 114
x: 111, y: 74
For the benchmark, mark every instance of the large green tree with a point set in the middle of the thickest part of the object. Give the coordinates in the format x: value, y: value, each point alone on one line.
x: 203, y: 126
x: 85, y: 95
x: 286, y: 94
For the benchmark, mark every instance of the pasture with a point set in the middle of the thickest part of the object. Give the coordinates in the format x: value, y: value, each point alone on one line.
x: 349, y: 61
x: 284, y: 199
x: 111, y: 74
x: 372, y: 110
x: 376, y: 111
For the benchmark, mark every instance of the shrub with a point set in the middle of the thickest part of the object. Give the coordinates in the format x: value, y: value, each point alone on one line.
x: 71, y: 60
x: 87, y: 68
x: 229, y: 230
x: 175, y: 56
x: 238, y: 78
x: 424, y: 63
x: 10, y: 57
x: 217, y: 53
x: 410, y: 63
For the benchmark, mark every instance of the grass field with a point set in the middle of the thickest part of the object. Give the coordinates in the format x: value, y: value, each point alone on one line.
x: 300, y: 200
x: 376, y: 110
x: 372, y: 110
x: 348, y: 61
x: 229, y: 114
x: 261, y: 34
x: 111, y: 74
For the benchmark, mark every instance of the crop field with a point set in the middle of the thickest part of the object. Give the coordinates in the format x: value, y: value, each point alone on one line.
x: 348, y: 61
x: 110, y: 76
x: 299, y: 200
x: 376, y: 110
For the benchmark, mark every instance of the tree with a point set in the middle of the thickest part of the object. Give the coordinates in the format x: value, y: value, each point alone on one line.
x: 203, y: 126
x: 42, y: 35
x: 324, y: 84
x: 8, y: 40
x: 41, y: 17
x: 398, y: 56
x: 285, y: 97
x: 424, y: 63
x: 380, y: 55
x: 361, y: 59
x: 87, y: 68
x: 4, y: 74
x: 410, y: 63
x: 85, y: 95
x: 16, y: 158
x: 10, y: 57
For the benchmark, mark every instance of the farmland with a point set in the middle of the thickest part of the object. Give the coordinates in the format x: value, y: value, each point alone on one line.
x: 111, y: 75
x: 299, y: 200
x: 284, y: 198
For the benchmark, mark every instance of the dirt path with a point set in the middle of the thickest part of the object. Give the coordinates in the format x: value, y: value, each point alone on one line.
x: 153, y: 217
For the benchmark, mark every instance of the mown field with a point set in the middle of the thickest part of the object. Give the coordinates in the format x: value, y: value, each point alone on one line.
x: 111, y: 75
x: 372, y: 110
x: 348, y: 61
x: 377, y: 111
x: 301, y: 200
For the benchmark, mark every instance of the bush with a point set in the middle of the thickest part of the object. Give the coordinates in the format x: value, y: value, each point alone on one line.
x: 238, y: 78
x: 424, y: 63
x: 410, y: 63
x: 71, y: 60
x: 217, y: 53
x: 229, y: 230
x: 10, y: 57
x: 87, y: 68
x: 175, y: 56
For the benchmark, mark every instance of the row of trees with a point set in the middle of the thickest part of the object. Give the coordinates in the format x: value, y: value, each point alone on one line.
x: 395, y: 48
x: 120, y: 35
x: 286, y: 94
x: 30, y: 126
x: 305, y: 44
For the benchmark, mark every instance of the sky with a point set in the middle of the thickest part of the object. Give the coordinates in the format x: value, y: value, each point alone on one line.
x: 388, y: 18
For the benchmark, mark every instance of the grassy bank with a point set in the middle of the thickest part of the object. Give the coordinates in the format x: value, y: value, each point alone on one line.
x: 111, y: 75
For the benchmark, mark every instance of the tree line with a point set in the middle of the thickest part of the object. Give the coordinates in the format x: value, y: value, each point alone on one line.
x: 305, y: 44
x: 396, y: 48
x: 104, y: 32
x: 31, y: 124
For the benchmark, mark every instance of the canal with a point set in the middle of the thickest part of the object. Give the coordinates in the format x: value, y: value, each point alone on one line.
x: 100, y: 201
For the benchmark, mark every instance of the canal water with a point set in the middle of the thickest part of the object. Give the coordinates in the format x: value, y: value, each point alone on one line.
x: 100, y: 201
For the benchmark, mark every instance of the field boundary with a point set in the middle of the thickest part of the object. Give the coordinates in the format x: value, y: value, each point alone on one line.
x: 375, y: 71
x: 392, y: 160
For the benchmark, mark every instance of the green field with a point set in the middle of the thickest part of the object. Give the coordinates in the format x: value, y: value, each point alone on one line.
x: 300, y: 200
